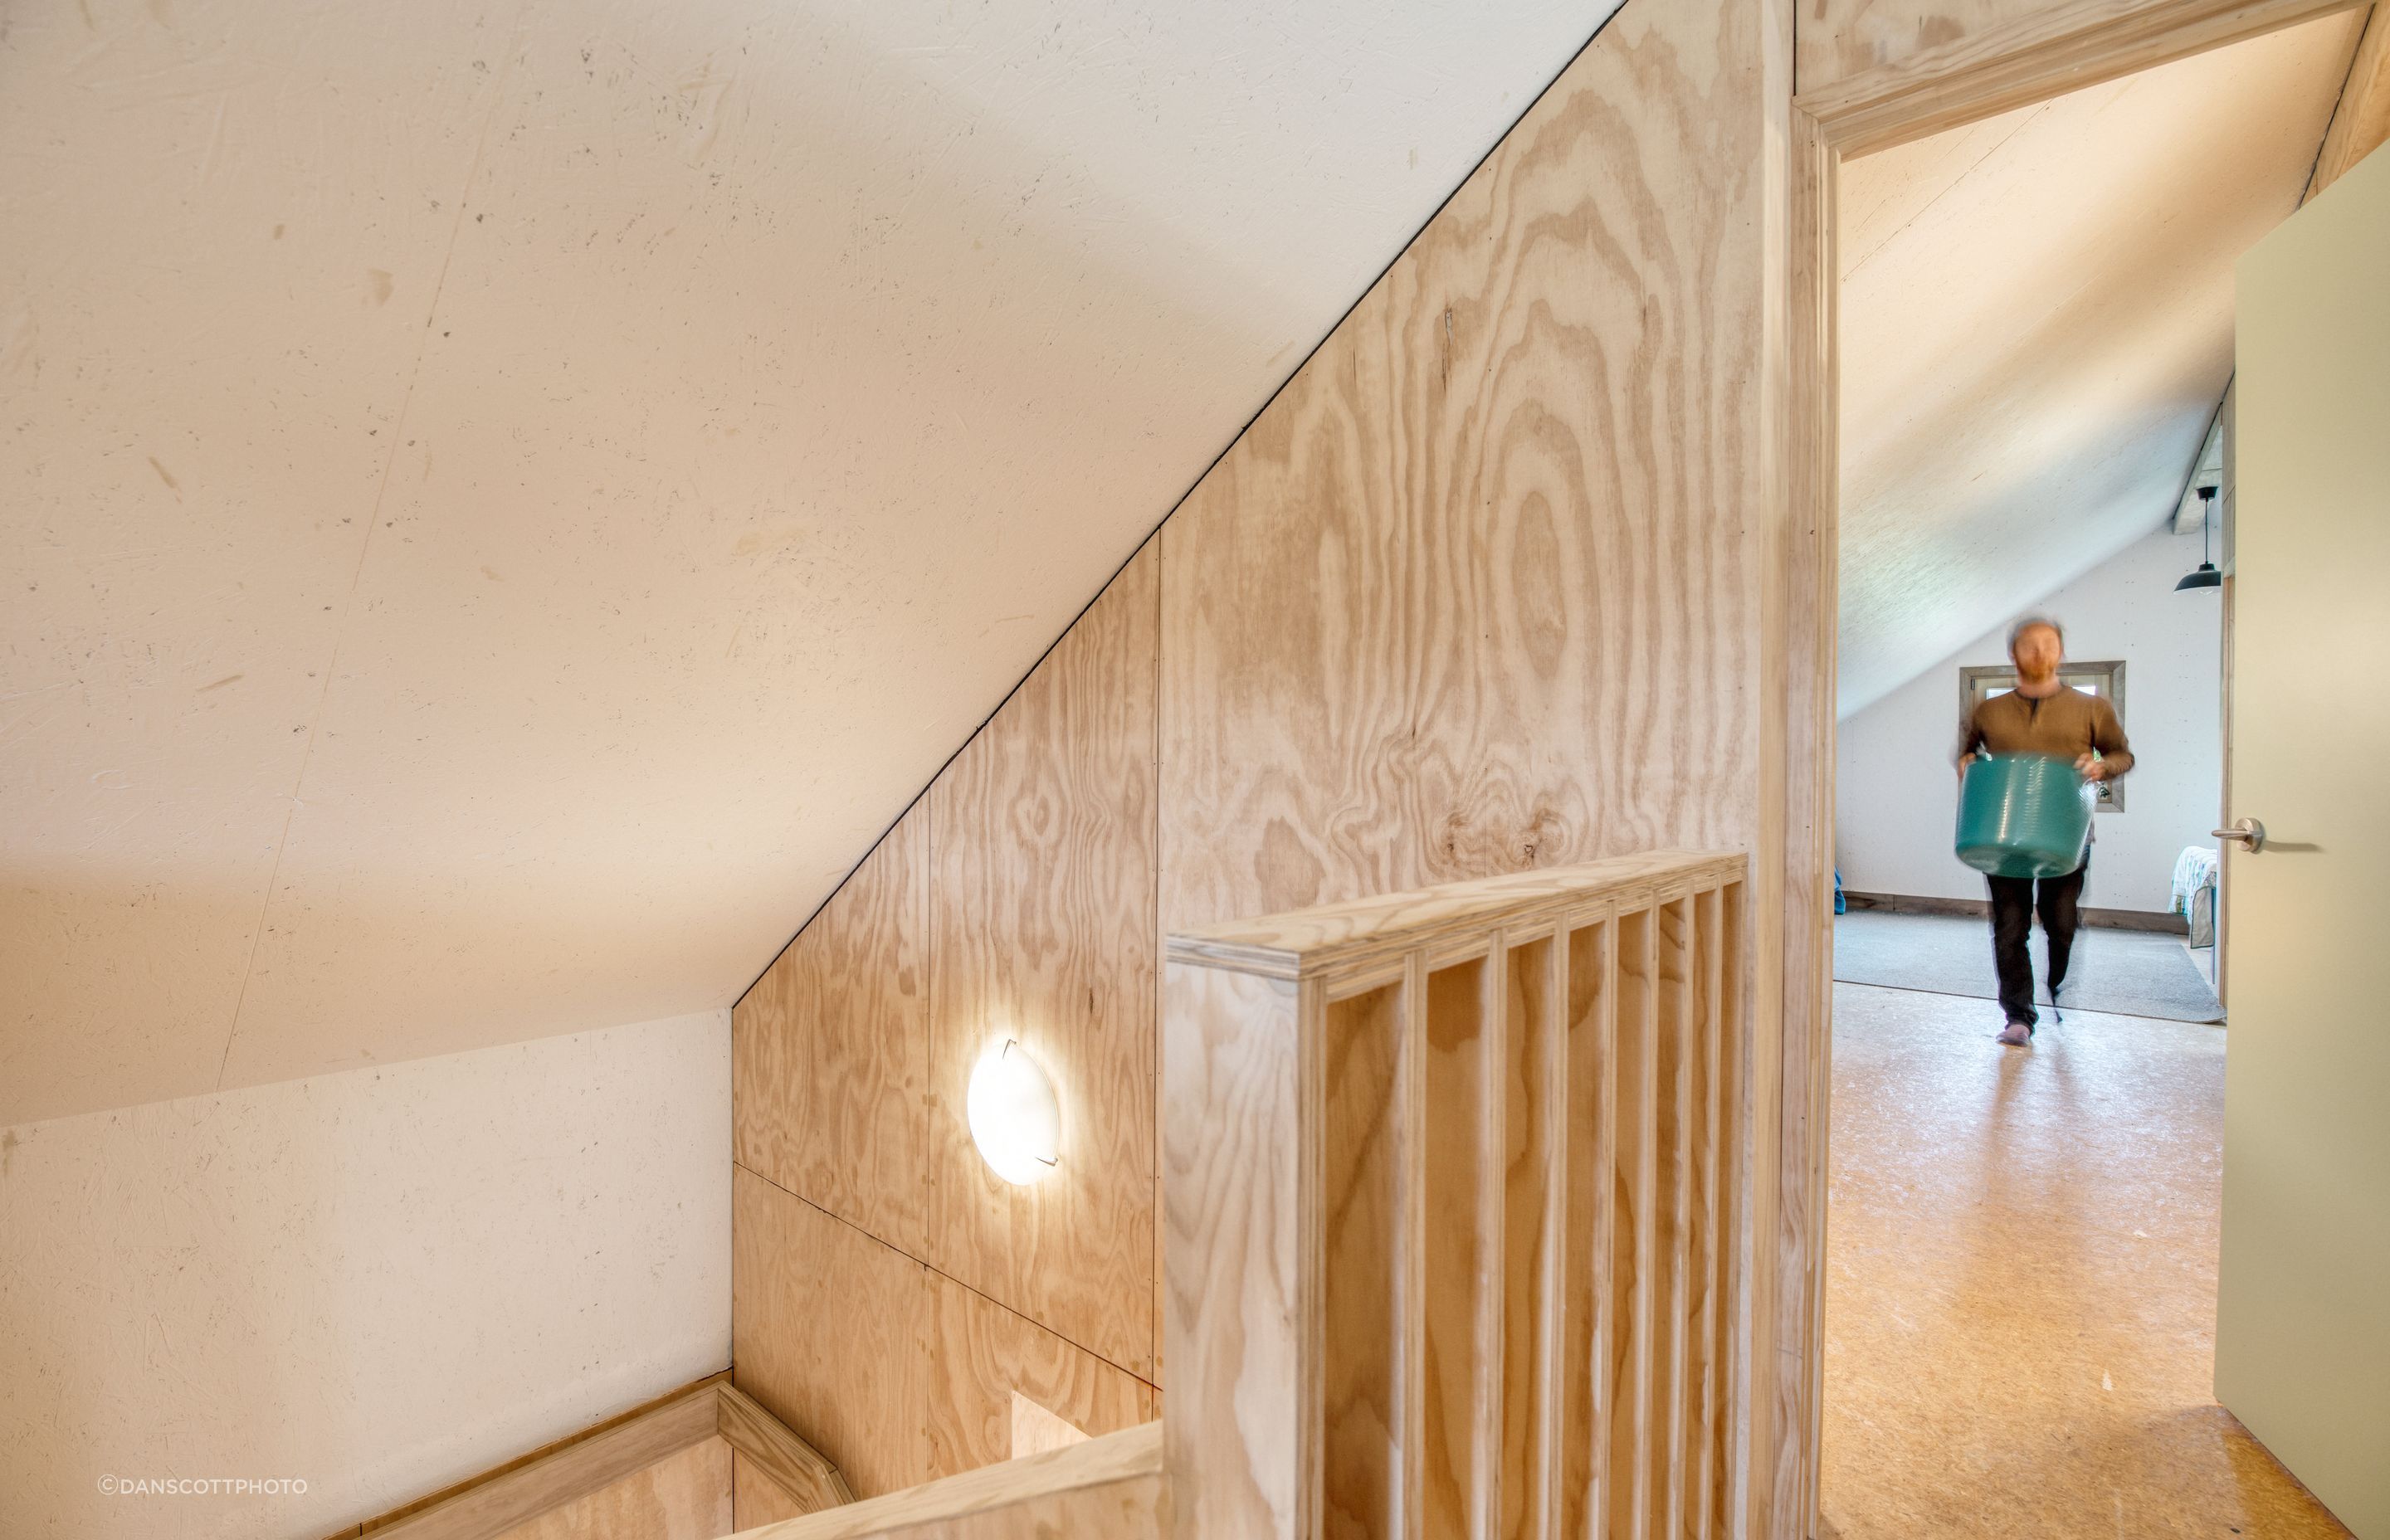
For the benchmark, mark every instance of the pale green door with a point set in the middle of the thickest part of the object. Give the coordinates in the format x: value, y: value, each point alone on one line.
x: 2303, y: 1326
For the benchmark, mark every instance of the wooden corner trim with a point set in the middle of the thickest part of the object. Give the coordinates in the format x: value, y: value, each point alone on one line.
x: 518, y: 1492
x: 800, y: 1470
x: 1131, y: 1455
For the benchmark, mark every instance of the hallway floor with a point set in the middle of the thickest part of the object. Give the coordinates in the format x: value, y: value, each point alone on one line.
x: 2020, y: 1284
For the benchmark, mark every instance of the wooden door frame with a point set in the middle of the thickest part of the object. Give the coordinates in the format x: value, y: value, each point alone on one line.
x: 2066, y: 47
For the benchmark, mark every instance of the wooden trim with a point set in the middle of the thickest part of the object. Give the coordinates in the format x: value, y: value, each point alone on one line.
x: 523, y: 1489
x: 796, y: 1467
x: 2361, y: 119
x: 1130, y: 1457
x: 1366, y: 938
x: 1978, y: 908
x: 2034, y: 59
x: 2047, y: 54
x: 383, y: 1520
x: 490, y: 1507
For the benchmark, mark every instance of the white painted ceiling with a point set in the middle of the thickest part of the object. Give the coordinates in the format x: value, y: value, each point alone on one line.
x: 502, y: 500
x: 2037, y: 326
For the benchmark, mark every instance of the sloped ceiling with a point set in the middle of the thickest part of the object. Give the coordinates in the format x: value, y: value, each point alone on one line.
x: 504, y: 499
x: 2036, y: 327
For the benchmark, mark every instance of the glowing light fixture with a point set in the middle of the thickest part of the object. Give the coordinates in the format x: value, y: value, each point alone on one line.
x: 1015, y: 1119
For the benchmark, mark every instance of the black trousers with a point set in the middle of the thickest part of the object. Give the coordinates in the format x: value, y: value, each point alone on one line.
x: 2013, y: 903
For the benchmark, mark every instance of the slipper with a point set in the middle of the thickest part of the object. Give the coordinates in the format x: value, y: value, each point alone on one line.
x: 2016, y: 1034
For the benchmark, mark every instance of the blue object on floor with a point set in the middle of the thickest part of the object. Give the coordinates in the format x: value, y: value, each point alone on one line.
x: 1841, y: 905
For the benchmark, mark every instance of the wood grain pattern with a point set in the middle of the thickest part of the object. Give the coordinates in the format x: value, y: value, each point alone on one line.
x: 1241, y: 1168
x: 681, y: 1496
x: 1110, y: 1486
x: 2361, y: 121
x: 1445, y: 609
x: 1359, y: 937
x: 1964, y: 60
x: 830, y: 1050
x: 1494, y: 1208
x: 833, y: 1334
x: 1492, y: 586
x: 1042, y: 921
x: 986, y: 1355
x: 800, y: 1471
x: 756, y: 1499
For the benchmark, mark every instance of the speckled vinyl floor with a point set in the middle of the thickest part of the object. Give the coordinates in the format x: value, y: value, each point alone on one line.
x: 2021, y: 1282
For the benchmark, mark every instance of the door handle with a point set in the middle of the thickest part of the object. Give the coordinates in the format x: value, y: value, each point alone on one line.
x: 2248, y: 830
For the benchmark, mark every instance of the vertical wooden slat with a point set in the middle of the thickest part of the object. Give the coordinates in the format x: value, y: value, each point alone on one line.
x: 1367, y: 1162
x: 1670, y: 1258
x: 1535, y: 1065
x: 1634, y: 1176
x: 1241, y: 1415
x: 1412, y: 1384
x: 1586, y: 1247
x: 1736, y: 1302
x: 1464, y: 1246
x: 1701, y: 1347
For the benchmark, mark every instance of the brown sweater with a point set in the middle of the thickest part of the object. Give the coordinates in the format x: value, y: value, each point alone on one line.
x: 2067, y: 724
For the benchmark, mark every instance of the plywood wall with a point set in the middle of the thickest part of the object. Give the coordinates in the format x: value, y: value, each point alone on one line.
x: 1484, y: 589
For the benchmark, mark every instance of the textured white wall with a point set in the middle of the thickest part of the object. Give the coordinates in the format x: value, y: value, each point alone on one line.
x: 1895, y: 797
x: 380, y: 1281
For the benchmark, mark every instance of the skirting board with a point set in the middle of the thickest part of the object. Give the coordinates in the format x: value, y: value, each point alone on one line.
x: 521, y: 1490
x: 1978, y: 908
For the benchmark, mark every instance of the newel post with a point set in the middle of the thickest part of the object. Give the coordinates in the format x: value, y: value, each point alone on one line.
x: 1240, y: 1108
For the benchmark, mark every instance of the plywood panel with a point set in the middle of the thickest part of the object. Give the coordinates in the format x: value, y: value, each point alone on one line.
x: 1479, y: 591
x: 1042, y: 921
x: 681, y: 1496
x: 756, y: 1498
x: 830, y: 1051
x: 986, y: 1355
x: 831, y: 1332
x: 1241, y: 1411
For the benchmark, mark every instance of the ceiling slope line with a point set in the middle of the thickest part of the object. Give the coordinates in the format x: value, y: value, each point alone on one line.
x: 373, y: 522
x: 1178, y: 502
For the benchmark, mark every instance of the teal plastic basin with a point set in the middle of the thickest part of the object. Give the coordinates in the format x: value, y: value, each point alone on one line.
x: 2024, y: 816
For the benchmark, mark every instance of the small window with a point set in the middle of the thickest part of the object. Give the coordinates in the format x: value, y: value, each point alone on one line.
x: 2107, y: 680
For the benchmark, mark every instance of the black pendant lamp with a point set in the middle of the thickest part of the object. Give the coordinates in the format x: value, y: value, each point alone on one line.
x: 2206, y: 576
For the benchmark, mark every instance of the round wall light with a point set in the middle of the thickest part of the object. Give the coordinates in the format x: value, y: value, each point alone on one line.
x: 1015, y: 1119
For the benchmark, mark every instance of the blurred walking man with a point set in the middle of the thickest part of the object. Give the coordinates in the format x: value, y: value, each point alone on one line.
x: 2040, y: 717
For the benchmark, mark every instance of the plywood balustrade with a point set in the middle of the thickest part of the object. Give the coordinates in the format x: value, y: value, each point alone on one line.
x: 1450, y: 1186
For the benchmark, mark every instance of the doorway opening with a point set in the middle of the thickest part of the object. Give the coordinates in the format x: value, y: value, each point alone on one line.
x: 2026, y: 281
